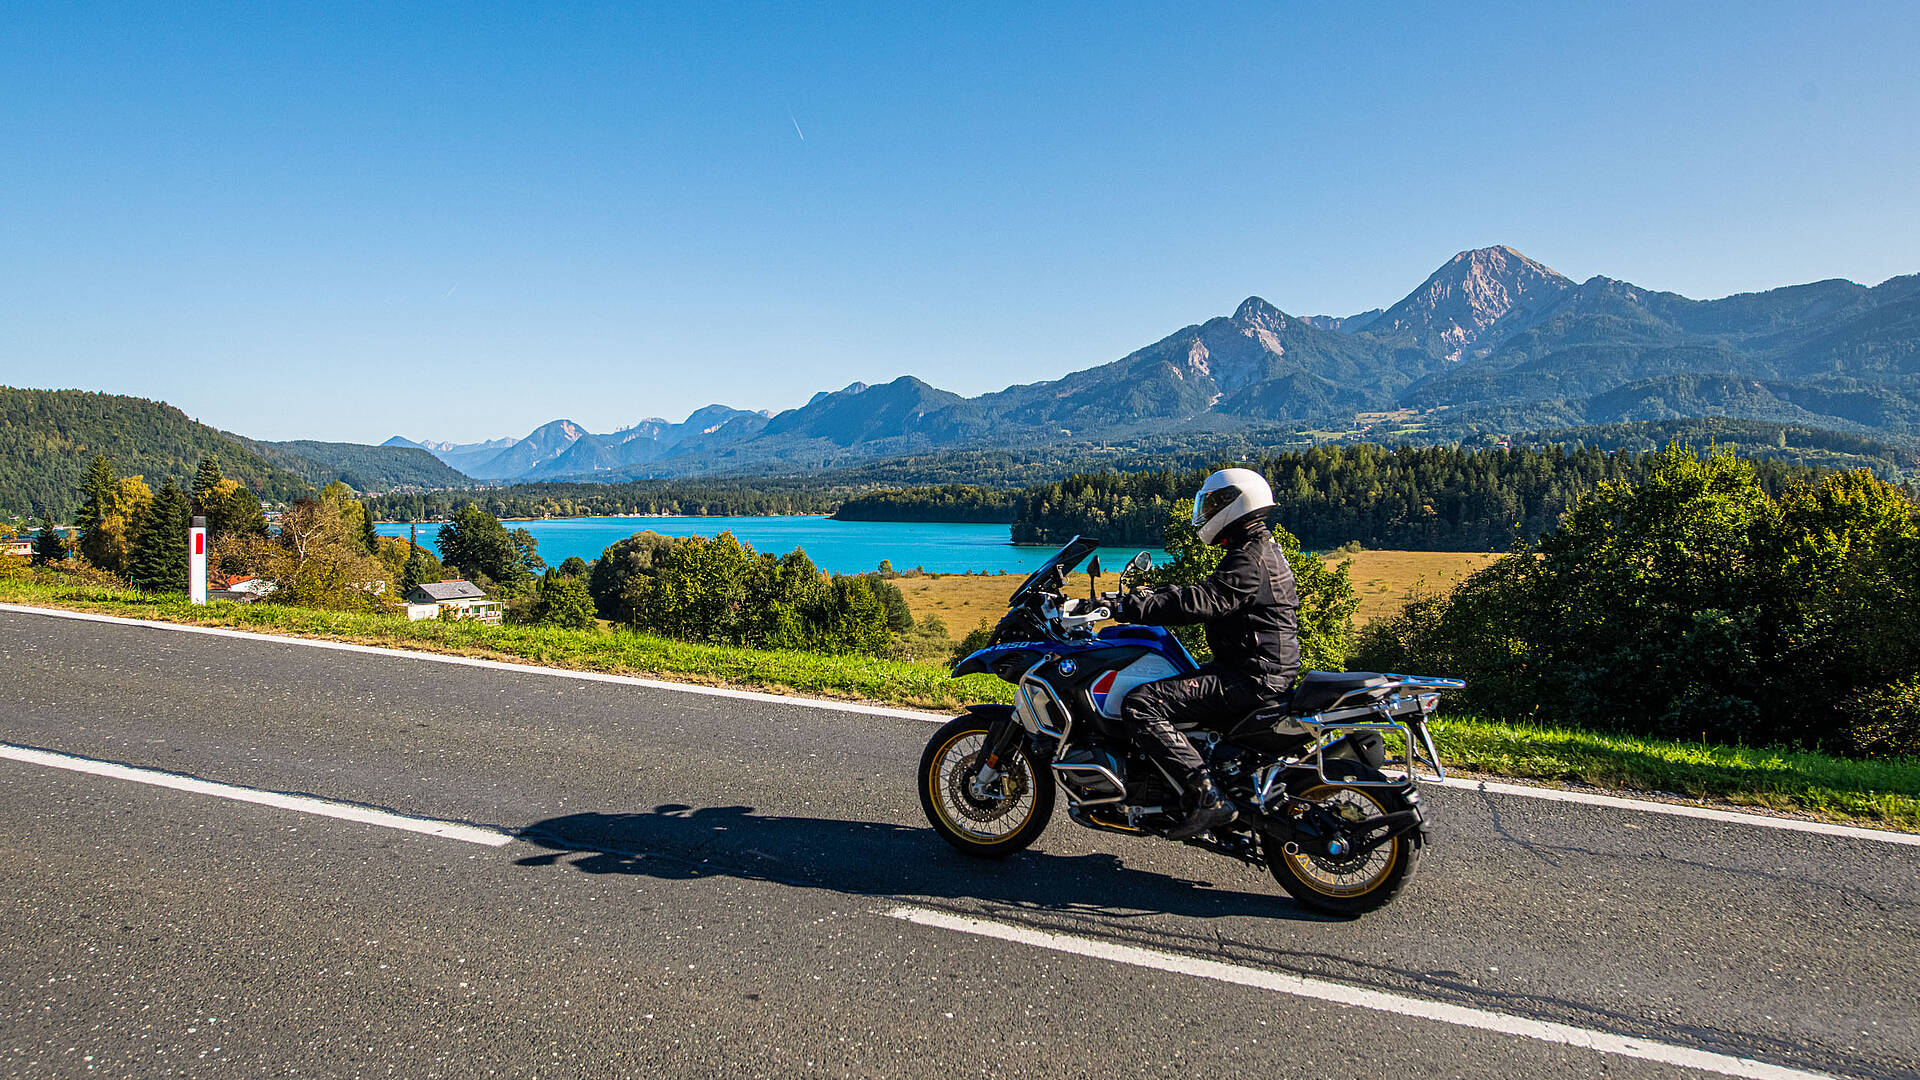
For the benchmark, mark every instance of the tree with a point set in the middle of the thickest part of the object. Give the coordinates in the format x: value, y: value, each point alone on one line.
x: 50, y: 546
x: 614, y: 571
x: 700, y: 591
x: 159, y: 558
x: 481, y: 548
x: 318, y: 560
x: 205, y: 480
x: 1692, y: 603
x: 418, y: 565
x: 563, y: 601
x: 98, y: 491
x: 231, y: 511
x: 526, y: 554
x: 573, y: 566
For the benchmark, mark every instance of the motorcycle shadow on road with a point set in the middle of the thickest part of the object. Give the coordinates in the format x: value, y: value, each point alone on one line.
x: 677, y: 842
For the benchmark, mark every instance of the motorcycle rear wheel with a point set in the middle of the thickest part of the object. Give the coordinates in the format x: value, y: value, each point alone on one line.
x: 1354, y: 886
x: 984, y: 828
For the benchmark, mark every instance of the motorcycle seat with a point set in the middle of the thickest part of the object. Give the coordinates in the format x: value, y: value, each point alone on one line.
x: 1317, y: 690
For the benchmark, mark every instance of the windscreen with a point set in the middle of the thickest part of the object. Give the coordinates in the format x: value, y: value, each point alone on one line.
x: 1063, y: 561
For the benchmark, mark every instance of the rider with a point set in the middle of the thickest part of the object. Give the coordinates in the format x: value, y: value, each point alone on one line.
x: 1249, y: 607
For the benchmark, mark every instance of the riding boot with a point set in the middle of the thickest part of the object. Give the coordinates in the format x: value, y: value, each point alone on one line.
x: 1206, y: 809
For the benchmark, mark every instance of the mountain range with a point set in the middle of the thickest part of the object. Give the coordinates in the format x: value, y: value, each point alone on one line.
x: 1492, y: 341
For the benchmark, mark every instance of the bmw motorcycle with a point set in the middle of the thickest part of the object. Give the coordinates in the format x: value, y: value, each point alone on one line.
x: 1324, y: 775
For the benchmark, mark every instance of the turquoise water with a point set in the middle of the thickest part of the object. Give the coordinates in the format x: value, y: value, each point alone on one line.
x: 842, y: 547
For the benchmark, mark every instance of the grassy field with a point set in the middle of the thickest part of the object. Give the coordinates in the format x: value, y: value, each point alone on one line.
x: 1884, y: 794
x: 1382, y: 580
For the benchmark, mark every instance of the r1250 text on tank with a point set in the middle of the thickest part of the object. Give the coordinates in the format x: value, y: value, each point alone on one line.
x: 1324, y: 775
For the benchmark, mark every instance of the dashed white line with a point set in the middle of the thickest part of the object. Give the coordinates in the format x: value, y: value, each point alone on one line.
x: 1338, y: 994
x: 305, y: 804
x: 1821, y: 828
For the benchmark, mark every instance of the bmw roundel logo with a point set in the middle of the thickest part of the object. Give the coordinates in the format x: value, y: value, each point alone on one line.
x: 1068, y: 667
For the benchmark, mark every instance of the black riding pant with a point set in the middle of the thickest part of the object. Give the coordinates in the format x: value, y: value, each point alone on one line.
x: 1212, y: 697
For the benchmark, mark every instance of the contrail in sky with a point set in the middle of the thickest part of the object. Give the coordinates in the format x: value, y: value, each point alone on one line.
x: 796, y: 126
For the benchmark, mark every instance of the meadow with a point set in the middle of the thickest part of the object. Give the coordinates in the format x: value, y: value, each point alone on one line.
x: 1381, y: 579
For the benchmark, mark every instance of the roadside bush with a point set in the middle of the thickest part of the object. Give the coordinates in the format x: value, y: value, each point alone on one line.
x: 927, y: 640
x: 1692, y: 605
x: 563, y: 601
x: 319, y: 559
x: 1884, y: 722
x: 975, y: 640
x: 617, y: 566
x: 722, y: 591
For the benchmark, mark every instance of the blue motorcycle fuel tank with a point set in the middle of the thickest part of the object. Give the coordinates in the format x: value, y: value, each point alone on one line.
x: 1009, y: 658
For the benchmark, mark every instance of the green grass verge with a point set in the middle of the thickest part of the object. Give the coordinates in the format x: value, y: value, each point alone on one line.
x: 620, y: 652
x: 1883, y: 794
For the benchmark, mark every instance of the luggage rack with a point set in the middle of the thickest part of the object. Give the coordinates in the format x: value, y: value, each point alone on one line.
x: 1402, y: 715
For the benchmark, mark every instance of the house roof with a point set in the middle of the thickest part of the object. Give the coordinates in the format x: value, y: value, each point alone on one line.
x: 449, y: 590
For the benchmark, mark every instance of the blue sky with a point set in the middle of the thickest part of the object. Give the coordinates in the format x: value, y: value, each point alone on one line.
x: 460, y: 221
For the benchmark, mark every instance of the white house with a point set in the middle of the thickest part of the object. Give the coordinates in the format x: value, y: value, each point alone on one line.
x: 452, y: 599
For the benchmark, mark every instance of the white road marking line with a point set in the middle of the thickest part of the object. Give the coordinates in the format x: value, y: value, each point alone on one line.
x: 1338, y: 994
x: 1763, y: 821
x: 1683, y: 810
x: 305, y: 804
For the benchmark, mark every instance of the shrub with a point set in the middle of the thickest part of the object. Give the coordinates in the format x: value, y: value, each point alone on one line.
x: 722, y: 591
x: 616, y: 568
x: 563, y: 601
x: 1693, y: 605
x: 1883, y: 722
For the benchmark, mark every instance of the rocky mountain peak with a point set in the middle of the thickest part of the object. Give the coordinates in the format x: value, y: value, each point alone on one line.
x: 1453, y: 309
x: 1255, y: 311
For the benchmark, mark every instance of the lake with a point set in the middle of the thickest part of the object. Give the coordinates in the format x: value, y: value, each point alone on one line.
x: 844, y: 547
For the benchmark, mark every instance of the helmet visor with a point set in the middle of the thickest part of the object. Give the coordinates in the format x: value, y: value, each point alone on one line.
x: 1208, y: 503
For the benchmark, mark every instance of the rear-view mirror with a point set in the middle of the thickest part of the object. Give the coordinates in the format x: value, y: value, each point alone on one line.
x: 1093, y: 568
x: 1142, y: 561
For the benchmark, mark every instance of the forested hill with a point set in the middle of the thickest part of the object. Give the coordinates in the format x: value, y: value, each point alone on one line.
x: 1432, y: 499
x: 47, y: 438
x: 362, y: 468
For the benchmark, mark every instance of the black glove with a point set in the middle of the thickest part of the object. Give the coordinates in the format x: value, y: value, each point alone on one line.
x: 1127, y: 607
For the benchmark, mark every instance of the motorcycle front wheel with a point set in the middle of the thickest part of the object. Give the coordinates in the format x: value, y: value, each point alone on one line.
x: 998, y: 819
x: 1352, y: 886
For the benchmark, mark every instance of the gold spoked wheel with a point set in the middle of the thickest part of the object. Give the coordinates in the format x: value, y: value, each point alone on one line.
x: 992, y: 818
x: 1353, y: 884
x: 1345, y: 877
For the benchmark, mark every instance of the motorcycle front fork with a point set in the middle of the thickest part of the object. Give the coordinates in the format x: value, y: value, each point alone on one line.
x: 1001, y: 736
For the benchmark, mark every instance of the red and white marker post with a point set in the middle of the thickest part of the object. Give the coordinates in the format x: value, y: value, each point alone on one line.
x: 197, y: 561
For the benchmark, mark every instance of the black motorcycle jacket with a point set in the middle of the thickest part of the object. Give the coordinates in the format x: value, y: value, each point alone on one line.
x: 1249, y: 606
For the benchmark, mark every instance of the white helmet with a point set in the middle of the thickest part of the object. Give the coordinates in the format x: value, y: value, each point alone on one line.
x: 1229, y: 497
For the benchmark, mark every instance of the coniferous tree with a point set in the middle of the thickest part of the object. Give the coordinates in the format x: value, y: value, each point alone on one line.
x: 50, y: 546
x: 159, y: 561
x: 97, y: 490
x: 205, y: 482
x: 236, y: 512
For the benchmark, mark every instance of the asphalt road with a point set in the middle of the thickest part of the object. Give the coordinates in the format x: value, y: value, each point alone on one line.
x: 704, y: 886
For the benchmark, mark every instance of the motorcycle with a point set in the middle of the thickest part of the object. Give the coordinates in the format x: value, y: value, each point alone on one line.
x: 1323, y: 807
